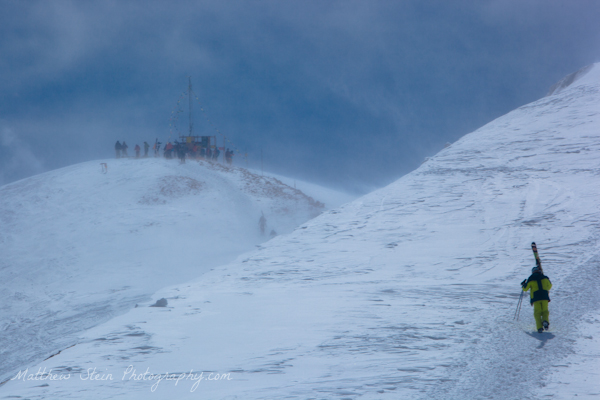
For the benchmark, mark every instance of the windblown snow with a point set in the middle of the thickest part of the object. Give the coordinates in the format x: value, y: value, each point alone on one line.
x: 406, y: 293
x: 80, y: 246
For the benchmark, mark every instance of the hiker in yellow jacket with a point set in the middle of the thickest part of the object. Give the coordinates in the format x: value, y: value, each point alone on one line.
x: 539, y: 284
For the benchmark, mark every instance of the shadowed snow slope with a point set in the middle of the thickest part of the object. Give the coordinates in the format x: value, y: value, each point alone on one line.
x: 79, y: 246
x: 406, y: 293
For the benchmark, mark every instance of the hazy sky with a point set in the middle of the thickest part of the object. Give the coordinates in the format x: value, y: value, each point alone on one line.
x: 347, y: 93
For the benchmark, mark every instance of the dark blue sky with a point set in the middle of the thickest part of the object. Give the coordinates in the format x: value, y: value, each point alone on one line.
x: 352, y: 94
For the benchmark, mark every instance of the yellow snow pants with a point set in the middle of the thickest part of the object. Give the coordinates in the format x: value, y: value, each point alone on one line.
x: 540, y: 312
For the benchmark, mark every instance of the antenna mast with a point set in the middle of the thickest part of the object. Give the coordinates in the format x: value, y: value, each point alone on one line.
x: 190, y: 95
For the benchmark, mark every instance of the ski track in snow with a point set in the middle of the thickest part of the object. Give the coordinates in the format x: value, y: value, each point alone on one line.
x: 406, y: 293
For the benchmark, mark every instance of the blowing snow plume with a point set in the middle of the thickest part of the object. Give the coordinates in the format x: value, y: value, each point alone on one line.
x: 406, y: 293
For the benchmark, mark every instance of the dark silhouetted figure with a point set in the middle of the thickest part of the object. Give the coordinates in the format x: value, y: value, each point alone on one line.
x: 181, y: 150
x: 229, y: 156
x: 118, y: 148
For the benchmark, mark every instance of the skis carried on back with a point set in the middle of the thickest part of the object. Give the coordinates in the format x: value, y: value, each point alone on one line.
x: 538, y: 262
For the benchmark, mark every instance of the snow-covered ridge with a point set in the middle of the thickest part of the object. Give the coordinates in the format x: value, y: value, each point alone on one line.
x: 406, y: 293
x: 79, y: 246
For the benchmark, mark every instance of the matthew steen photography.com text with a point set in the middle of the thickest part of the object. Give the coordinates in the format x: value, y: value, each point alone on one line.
x: 129, y: 374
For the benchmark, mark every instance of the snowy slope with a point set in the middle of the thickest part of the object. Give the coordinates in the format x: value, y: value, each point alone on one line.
x: 406, y: 293
x: 79, y: 246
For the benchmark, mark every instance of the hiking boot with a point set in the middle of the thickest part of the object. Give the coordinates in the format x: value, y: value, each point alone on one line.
x: 540, y: 330
x: 546, y: 324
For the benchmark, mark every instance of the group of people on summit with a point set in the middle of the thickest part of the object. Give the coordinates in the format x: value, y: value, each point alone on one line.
x: 177, y: 150
x: 192, y: 150
x: 121, y: 149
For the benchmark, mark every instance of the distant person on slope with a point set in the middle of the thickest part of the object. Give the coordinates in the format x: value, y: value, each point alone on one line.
x: 137, y: 149
x: 539, y: 284
x: 146, y: 147
x: 124, y: 148
x: 262, y: 223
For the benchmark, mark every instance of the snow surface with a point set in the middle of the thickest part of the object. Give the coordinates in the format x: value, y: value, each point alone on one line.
x: 79, y: 246
x: 406, y: 293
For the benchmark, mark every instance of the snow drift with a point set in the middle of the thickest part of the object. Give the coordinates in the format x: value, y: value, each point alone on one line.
x: 406, y: 293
